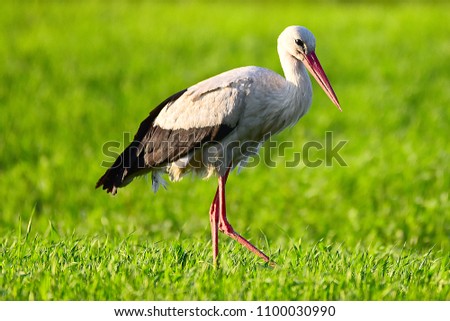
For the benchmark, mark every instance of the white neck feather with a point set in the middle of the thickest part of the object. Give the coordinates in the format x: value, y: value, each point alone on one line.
x: 294, y: 70
x: 299, y: 89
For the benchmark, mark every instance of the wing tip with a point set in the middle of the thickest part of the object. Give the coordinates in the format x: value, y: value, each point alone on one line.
x: 107, y: 184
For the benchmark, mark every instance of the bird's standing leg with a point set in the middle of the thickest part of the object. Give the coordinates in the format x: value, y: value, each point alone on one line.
x: 214, y: 220
x: 219, y: 207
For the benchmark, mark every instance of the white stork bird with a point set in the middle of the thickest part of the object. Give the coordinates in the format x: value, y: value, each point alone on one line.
x: 215, y: 125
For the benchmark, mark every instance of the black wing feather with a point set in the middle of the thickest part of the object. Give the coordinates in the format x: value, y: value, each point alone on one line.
x: 114, y: 176
x: 154, y: 146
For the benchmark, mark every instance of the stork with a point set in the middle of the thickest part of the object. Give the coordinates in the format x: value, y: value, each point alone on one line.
x: 214, y: 126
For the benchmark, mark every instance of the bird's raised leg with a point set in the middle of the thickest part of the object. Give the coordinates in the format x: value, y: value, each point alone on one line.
x: 224, y: 226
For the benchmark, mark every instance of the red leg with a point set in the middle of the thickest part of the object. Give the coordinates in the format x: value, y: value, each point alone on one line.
x: 225, y: 226
x: 214, y: 220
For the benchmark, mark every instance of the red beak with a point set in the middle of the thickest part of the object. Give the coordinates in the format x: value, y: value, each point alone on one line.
x: 313, y: 65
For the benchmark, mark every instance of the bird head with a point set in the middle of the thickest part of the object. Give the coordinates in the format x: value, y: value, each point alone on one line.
x: 300, y: 43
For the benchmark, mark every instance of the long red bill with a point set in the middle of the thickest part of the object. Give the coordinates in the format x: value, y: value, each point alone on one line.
x: 313, y: 65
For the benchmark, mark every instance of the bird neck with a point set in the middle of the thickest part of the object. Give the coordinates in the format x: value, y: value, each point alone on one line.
x: 298, y: 89
x: 294, y: 71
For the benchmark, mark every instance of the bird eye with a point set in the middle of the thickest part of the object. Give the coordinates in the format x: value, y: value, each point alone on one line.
x: 300, y: 43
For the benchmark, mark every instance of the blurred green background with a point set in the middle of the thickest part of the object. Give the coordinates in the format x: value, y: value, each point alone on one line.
x: 75, y: 75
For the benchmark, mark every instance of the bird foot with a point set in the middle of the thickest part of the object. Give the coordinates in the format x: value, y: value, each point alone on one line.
x: 228, y: 230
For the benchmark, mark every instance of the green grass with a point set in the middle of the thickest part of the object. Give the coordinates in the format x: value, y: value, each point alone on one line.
x: 74, y: 76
